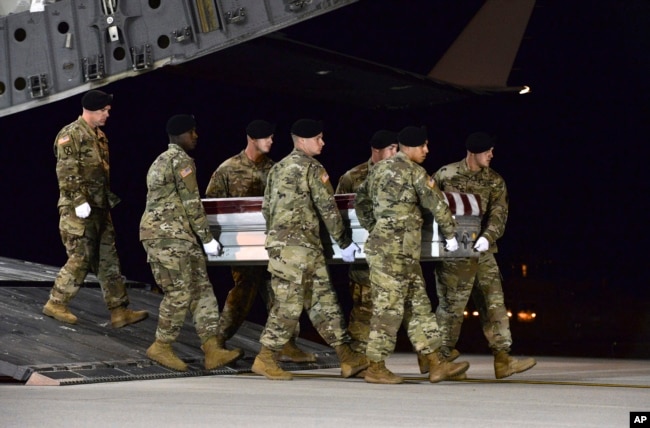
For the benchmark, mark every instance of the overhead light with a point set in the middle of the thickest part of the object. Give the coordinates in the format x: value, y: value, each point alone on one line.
x: 323, y: 72
x: 524, y: 90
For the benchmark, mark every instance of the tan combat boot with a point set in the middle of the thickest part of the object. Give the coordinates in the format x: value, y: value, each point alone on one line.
x: 292, y: 354
x: 441, y: 369
x: 265, y: 365
x: 505, y: 365
x: 221, y: 341
x: 378, y: 373
x: 121, y: 316
x: 451, y: 356
x: 351, y: 362
x: 423, y: 361
x: 164, y: 354
x: 59, y: 312
x: 216, y: 356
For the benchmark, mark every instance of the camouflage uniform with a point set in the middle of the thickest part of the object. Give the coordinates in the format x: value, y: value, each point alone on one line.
x: 457, y: 279
x: 172, y: 229
x: 359, y: 323
x: 83, y: 172
x: 298, y: 196
x: 238, y: 177
x: 388, y: 205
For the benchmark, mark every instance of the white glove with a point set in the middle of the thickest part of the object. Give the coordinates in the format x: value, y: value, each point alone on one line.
x: 83, y: 210
x: 347, y: 254
x: 481, y: 245
x: 212, y: 248
x: 452, y: 244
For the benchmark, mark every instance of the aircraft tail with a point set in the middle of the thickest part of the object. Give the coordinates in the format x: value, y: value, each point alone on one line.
x: 481, y: 58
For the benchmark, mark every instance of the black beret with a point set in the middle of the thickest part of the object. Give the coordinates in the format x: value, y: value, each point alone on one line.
x: 479, y: 142
x: 413, y: 136
x: 96, y: 100
x: 260, y: 129
x: 180, y: 124
x: 382, y: 139
x: 307, y: 128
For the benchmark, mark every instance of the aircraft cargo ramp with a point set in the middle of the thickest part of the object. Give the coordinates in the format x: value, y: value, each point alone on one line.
x: 39, y: 350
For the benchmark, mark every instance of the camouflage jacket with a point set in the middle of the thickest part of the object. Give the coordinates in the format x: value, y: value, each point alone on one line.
x: 298, y: 196
x: 389, y: 205
x: 352, y: 179
x: 239, y: 176
x: 82, y: 166
x: 486, y: 183
x: 174, y: 209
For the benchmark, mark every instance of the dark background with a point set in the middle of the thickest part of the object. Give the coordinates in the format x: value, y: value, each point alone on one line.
x: 571, y: 153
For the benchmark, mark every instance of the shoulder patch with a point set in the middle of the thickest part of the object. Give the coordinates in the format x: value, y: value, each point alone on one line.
x: 186, y: 171
x: 63, y: 140
x: 431, y: 182
x: 324, y: 177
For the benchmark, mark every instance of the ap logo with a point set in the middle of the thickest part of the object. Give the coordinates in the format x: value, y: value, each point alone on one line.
x: 639, y: 419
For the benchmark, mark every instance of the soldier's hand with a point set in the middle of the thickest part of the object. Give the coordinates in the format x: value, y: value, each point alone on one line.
x: 481, y: 245
x: 212, y: 248
x: 347, y: 254
x: 451, y: 244
x: 83, y: 210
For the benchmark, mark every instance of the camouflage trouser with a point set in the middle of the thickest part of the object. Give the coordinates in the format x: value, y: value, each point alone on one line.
x: 90, y: 245
x: 249, y: 281
x: 179, y: 269
x: 455, y: 282
x: 399, y: 297
x: 361, y: 313
x: 300, y: 280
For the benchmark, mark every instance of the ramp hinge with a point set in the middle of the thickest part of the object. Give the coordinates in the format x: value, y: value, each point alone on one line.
x: 93, y: 69
x: 184, y: 35
x: 236, y: 17
x: 141, y: 59
x: 298, y: 5
x: 38, y: 86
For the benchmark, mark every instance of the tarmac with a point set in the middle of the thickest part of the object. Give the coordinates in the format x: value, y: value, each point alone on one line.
x: 558, y: 392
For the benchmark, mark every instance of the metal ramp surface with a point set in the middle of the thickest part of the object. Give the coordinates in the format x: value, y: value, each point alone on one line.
x: 39, y: 350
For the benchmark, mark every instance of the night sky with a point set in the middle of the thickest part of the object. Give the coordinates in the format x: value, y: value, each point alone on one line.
x: 571, y: 152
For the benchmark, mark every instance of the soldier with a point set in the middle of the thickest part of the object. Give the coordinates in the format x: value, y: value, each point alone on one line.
x: 388, y: 204
x: 245, y: 175
x: 85, y: 224
x: 298, y: 196
x: 383, y: 145
x: 173, y: 229
x: 480, y: 277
